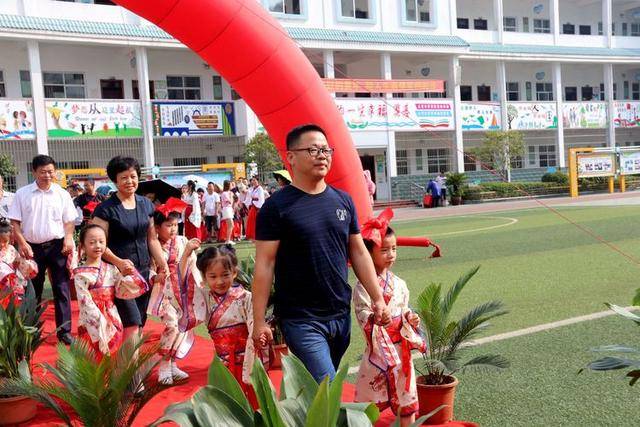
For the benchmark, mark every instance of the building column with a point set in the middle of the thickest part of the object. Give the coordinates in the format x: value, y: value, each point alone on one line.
x: 37, y: 92
x: 392, y: 169
x: 555, y: 21
x: 608, y: 93
x: 498, y: 15
x: 501, y: 78
x: 557, y: 95
x: 329, y: 66
x: 607, y: 19
x: 455, y: 76
x: 142, y: 68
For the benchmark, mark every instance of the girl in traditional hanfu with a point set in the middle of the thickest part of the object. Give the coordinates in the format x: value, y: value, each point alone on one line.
x: 229, y: 314
x: 97, y: 284
x: 173, y: 296
x: 15, y: 271
x: 386, y: 376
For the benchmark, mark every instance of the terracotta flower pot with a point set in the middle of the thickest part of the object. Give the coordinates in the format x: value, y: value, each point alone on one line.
x: 277, y: 351
x: 16, y: 410
x: 456, y: 200
x: 432, y: 396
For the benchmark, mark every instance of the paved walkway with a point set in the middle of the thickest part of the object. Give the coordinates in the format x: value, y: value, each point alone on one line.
x: 606, y: 199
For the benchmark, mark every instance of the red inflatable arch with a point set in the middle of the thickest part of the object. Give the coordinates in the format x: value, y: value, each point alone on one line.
x: 252, y: 51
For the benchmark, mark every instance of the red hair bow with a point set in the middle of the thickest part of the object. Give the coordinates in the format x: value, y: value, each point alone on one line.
x: 172, y: 205
x: 91, y: 206
x: 375, y: 229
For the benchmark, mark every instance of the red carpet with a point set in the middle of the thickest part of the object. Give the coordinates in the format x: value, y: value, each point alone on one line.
x: 196, y: 364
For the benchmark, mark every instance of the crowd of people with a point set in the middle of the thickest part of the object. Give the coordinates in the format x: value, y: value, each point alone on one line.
x: 131, y: 260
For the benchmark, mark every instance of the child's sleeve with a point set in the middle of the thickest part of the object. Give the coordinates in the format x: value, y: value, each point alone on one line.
x: 362, y: 305
x: 131, y: 286
x: 90, y: 317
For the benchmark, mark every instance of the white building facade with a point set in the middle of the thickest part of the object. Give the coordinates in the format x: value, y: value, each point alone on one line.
x: 565, y: 72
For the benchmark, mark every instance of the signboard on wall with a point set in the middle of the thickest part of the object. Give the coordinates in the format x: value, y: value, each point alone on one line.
x: 193, y: 118
x: 16, y: 119
x: 629, y: 162
x: 626, y: 114
x: 481, y: 116
x: 584, y: 115
x: 532, y: 115
x: 596, y: 164
x: 93, y: 119
x: 398, y: 115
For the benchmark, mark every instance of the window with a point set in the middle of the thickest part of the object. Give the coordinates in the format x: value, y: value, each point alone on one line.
x: 465, y: 93
x: 635, y: 91
x: 509, y: 23
x: 25, y: 84
x: 183, y: 87
x: 625, y: 89
x: 603, y: 95
x: 217, y: 87
x: 568, y: 29
x: 402, y: 164
x: 437, y: 160
x: 613, y: 28
x: 635, y: 30
x: 286, y: 7
x: 615, y: 92
x: 3, y: 92
x: 587, y: 93
x: 525, y: 24
x: 463, y: 23
x: 135, y: 91
x: 355, y: 9
x: 571, y: 93
x: 419, y: 159
x: 484, y: 93
x: 238, y: 159
x: 544, y: 91
x: 479, y: 24
x: 63, y: 85
x: 599, y: 28
x: 528, y: 91
x: 517, y: 162
x: 547, y: 155
x: 417, y: 11
x: 541, y: 26
x: 585, y: 30
x: 73, y: 164
x: 111, y: 89
x: 532, y: 155
x: 235, y: 95
x: 513, y: 91
x: 189, y: 161
x: 469, y: 163
x: 222, y: 159
x: 625, y: 29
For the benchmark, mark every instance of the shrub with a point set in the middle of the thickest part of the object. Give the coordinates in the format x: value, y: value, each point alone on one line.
x: 557, y: 177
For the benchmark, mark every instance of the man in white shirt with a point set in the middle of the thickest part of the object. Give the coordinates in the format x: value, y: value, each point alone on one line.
x: 43, y: 217
x: 6, y: 198
x: 211, y: 209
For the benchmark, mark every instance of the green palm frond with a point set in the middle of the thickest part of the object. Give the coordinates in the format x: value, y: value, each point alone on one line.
x: 487, y: 361
x: 455, y: 290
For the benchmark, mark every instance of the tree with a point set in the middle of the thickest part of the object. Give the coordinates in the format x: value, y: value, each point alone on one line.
x: 261, y: 151
x: 499, y: 149
x: 7, y: 167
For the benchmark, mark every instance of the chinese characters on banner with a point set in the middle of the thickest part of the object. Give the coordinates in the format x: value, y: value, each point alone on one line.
x: 193, y: 118
x: 629, y: 162
x: 16, y: 119
x: 584, y: 115
x: 596, y: 164
x: 93, y: 119
x: 532, y: 115
x: 627, y: 114
x: 378, y: 114
x: 480, y: 116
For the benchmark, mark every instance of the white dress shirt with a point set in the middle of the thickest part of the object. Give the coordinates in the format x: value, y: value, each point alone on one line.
x: 5, y: 202
x: 42, y: 213
x: 210, y: 202
x: 257, y: 196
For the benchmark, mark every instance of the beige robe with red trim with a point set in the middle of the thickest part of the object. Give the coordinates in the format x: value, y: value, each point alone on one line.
x: 15, y: 271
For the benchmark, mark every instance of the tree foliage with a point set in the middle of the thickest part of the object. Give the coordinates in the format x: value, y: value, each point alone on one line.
x: 7, y: 167
x: 499, y: 149
x: 261, y: 151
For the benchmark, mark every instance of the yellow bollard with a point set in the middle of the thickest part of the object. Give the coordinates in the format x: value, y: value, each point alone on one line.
x: 611, y: 184
x: 623, y: 184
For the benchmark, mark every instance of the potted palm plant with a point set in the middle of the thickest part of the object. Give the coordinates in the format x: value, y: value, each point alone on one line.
x: 455, y: 182
x: 446, y: 340
x: 20, y: 336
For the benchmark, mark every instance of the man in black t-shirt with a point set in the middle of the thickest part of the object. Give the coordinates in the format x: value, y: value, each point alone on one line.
x: 89, y: 195
x: 305, y: 235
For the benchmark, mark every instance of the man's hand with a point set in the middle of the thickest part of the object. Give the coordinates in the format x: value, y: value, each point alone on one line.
x: 381, y: 313
x: 262, y: 335
x: 126, y: 267
x: 67, y: 245
x: 25, y: 250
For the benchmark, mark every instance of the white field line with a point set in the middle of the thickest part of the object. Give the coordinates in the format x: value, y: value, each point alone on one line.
x: 511, y: 221
x: 527, y: 331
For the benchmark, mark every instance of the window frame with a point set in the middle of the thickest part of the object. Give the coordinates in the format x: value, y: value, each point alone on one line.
x: 548, y: 93
x: 514, y: 26
x: 433, y: 14
x: 435, y: 163
x: 569, y: 26
x: 635, y: 91
x: 419, y: 156
x: 635, y: 29
x: 575, y: 93
x: 183, y: 88
x: 510, y: 92
x: 65, y: 84
x: 303, y: 16
x: 470, y: 93
x: 582, y: 28
x: 404, y: 168
x: 22, y: 91
x: 189, y: 161
x: 550, y: 156
x: 3, y: 87
x: 463, y: 20
x: 373, y: 13
x: 476, y: 21
x: 221, y: 85
x: 545, y: 28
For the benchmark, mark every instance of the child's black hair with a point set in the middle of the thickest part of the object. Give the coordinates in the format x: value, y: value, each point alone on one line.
x: 225, y: 254
x: 159, y: 217
x: 86, y: 229
x: 370, y: 244
x: 5, y: 225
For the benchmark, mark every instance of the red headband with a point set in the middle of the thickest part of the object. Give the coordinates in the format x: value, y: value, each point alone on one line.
x: 375, y: 229
x: 172, y: 205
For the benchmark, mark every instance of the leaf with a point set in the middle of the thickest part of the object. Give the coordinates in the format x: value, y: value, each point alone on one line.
x: 356, y: 418
x: 634, y: 375
x: 269, y: 408
x: 616, y: 349
x: 180, y: 413
x: 298, y: 382
x: 294, y: 412
x: 318, y: 413
x: 624, y: 312
x: 335, y: 396
x: 612, y: 363
x: 369, y: 409
x: 221, y: 378
x: 213, y: 407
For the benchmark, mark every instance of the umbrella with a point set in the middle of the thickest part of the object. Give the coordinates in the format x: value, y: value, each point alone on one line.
x: 105, y: 189
x: 162, y: 189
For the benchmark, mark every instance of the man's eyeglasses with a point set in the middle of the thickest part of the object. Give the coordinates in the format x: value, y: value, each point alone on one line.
x: 315, y: 151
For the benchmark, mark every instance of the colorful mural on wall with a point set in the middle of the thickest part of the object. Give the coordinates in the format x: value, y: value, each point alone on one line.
x: 584, y: 115
x: 93, y: 119
x: 481, y: 116
x: 626, y: 114
x: 16, y: 119
x: 532, y: 115
x: 193, y: 118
